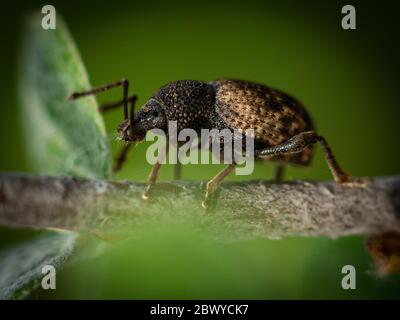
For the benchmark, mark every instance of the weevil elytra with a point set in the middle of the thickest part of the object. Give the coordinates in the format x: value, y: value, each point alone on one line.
x: 283, y: 130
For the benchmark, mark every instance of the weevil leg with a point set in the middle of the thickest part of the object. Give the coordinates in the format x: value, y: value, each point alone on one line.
x: 303, y: 140
x: 151, y: 181
x: 121, y: 157
x: 338, y: 173
x: 213, y: 184
x: 279, y: 172
x: 178, y: 166
x: 111, y: 106
x: 124, y: 83
x: 177, y: 171
x: 154, y: 174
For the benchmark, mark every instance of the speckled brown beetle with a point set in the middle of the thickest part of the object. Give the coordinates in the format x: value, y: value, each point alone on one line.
x: 283, y: 131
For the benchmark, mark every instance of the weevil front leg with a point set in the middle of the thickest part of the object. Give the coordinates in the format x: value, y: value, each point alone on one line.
x: 154, y: 173
x: 151, y: 181
x: 121, y: 157
x: 214, y: 183
x: 122, y: 154
x: 124, y: 83
x: 300, y: 142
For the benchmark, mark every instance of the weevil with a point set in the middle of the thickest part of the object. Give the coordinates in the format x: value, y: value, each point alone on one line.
x: 283, y: 130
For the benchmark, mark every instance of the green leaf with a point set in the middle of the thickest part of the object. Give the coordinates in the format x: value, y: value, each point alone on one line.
x: 62, y: 137
x: 21, y: 265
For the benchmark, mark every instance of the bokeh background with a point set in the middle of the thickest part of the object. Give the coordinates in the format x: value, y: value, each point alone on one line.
x: 347, y: 79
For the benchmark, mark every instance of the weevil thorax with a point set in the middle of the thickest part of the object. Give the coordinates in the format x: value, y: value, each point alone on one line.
x: 188, y: 102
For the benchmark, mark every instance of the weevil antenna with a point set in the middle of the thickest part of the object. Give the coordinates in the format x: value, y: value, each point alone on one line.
x: 125, y: 96
x: 132, y: 111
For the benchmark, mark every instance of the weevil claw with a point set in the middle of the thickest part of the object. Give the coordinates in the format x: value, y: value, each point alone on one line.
x: 145, y: 196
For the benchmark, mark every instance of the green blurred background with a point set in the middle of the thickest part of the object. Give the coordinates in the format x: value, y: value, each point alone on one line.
x: 348, y: 80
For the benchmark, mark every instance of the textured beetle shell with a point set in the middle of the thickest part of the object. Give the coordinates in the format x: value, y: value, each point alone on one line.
x: 274, y: 115
x: 188, y: 102
x: 235, y: 104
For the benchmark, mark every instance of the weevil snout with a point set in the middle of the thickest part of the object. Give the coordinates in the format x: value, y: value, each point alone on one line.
x: 131, y: 130
x: 129, y: 133
x: 150, y: 116
x: 124, y: 131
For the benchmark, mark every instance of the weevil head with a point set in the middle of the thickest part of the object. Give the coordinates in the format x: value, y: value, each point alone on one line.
x: 187, y: 102
x: 150, y: 116
x: 124, y: 131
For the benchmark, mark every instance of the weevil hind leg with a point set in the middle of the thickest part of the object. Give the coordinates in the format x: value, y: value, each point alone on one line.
x: 338, y: 173
x: 300, y: 142
x: 279, y: 172
x: 214, y: 183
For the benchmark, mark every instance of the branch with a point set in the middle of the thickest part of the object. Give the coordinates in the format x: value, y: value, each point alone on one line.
x: 244, y: 210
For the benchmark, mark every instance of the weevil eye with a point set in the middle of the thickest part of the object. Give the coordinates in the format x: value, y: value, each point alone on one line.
x: 154, y: 113
x: 152, y: 108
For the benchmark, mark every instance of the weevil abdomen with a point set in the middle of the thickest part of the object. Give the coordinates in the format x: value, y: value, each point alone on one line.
x: 274, y: 116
